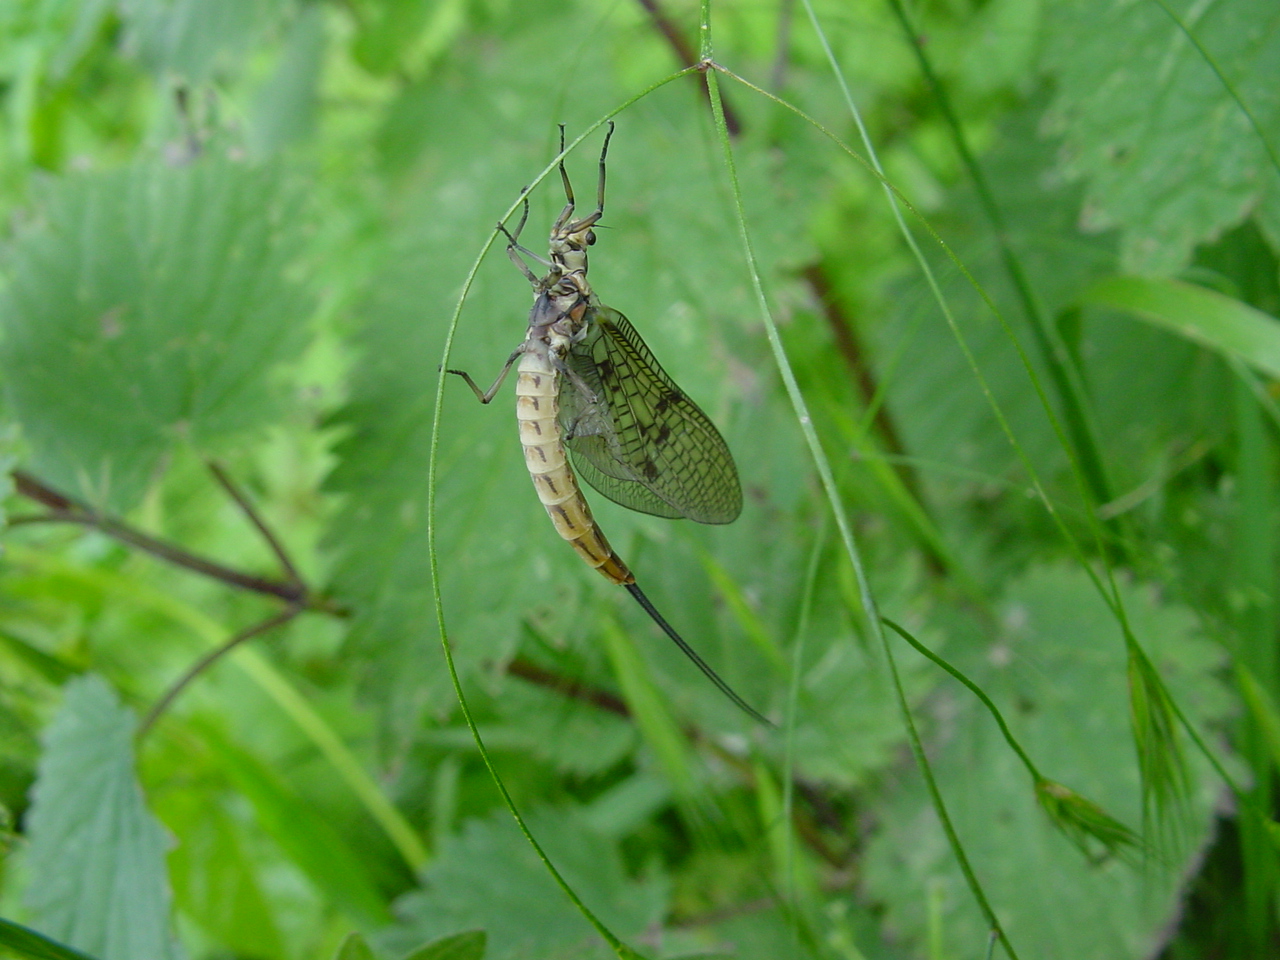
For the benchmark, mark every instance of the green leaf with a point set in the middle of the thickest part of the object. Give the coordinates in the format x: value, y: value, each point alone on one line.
x: 96, y: 858
x: 17, y: 941
x: 1057, y: 669
x: 1221, y: 323
x: 8, y: 458
x: 1149, y: 393
x: 1262, y: 710
x: 285, y: 108
x: 326, y: 856
x: 489, y: 878
x: 931, y: 390
x: 193, y: 39
x: 217, y: 882
x: 162, y: 292
x: 1145, y: 116
x: 461, y: 946
x: 354, y: 948
x: 500, y: 560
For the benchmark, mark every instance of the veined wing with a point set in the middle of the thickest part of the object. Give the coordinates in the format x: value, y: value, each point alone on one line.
x: 643, y: 444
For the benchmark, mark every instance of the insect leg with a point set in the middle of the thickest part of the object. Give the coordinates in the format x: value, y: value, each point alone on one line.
x: 514, y: 250
x: 594, y: 218
x: 600, y: 188
x: 524, y: 218
x: 567, y: 212
x: 486, y: 395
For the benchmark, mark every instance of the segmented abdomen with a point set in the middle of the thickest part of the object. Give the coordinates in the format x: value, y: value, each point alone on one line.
x: 537, y: 410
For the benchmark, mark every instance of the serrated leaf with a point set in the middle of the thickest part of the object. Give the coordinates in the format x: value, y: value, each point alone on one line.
x: 191, y: 38
x: 162, y: 294
x: 500, y: 560
x: 1145, y: 117
x: 489, y: 878
x: 1147, y: 391
x: 1057, y: 671
x: 98, y: 879
x: 932, y: 391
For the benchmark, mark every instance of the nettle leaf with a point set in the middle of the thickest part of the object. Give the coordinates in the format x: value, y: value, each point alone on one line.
x: 490, y: 878
x: 193, y: 39
x: 501, y: 562
x: 148, y: 306
x: 1167, y: 154
x: 96, y: 858
x: 1056, y: 669
x: 1147, y: 391
x: 936, y: 400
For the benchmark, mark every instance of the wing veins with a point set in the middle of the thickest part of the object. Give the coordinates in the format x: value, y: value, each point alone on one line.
x: 645, y: 444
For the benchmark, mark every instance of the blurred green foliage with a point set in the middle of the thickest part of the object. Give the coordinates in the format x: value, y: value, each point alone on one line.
x: 237, y: 232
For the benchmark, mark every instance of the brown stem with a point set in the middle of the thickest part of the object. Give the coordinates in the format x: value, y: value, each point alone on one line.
x: 567, y: 686
x: 64, y: 509
x: 686, y: 55
x: 208, y: 660
x: 248, y: 509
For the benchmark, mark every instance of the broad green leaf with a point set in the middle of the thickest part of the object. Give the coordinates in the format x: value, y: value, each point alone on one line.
x: 460, y: 946
x: 217, y: 882
x: 163, y: 294
x: 1165, y: 152
x: 931, y: 390
x: 538, y: 724
x: 501, y: 562
x: 1221, y: 323
x: 1056, y: 668
x: 96, y: 860
x: 1148, y: 393
x: 489, y: 878
x: 19, y: 942
x: 285, y: 108
x: 326, y: 856
x: 354, y: 948
x: 193, y: 39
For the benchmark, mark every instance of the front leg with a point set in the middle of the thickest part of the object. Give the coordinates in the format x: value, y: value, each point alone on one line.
x: 514, y: 249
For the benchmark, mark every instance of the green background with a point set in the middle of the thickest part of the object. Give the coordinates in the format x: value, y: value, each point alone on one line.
x: 239, y: 232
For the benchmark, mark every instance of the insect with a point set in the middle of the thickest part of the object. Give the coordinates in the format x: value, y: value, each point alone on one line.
x: 588, y: 385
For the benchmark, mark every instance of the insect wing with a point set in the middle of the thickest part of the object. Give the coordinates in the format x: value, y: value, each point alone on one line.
x: 643, y: 443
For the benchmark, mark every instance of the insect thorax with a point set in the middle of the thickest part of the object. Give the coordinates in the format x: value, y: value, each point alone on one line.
x: 561, y: 307
x: 568, y: 245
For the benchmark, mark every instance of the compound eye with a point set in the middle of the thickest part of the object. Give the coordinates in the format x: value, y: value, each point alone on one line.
x: 591, y: 237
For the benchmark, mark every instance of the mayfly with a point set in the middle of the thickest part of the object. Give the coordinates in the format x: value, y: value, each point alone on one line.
x: 586, y: 381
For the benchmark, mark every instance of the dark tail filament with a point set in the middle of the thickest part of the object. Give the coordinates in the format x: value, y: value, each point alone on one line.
x: 652, y: 611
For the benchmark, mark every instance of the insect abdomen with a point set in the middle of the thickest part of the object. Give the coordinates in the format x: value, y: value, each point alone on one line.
x: 537, y: 410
